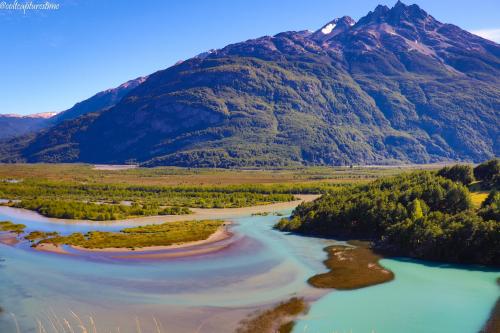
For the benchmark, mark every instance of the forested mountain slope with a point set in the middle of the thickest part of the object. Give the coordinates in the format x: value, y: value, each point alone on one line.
x: 396, y: 86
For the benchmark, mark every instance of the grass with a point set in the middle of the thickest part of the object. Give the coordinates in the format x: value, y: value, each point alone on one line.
x: 478, y: 198
x: 278, y: 319
x: 172, y: 176
x: 39, y: 235
x: 8, y: 226
x: 351, y: 268
x: 71, y: 322
x: 137, y: 237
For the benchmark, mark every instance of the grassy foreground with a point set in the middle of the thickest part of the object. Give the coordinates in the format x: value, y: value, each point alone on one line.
x: 137, y: 237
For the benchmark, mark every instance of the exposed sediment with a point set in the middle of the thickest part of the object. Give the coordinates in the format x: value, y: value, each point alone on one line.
x: 351, y: 266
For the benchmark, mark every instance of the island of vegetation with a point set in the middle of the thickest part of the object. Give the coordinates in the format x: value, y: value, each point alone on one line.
x: 351, y: 266
x: 165, y: 234
x: 80, y: 210
x: 7, y: 226
x: 423, y: 214
x: 276, y: 320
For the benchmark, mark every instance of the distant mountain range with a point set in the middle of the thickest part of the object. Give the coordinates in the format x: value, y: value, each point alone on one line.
x: 396, y: 86
x: 14, y: 125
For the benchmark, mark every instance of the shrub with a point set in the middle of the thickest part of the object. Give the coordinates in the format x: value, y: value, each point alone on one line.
x: 488, y: 172
x: 458, y: 173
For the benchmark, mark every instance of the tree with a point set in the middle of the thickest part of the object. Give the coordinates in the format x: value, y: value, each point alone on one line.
x: 416, y: 209
x: 458, y: 173
x: 488, y: 171
x: 490, y: 209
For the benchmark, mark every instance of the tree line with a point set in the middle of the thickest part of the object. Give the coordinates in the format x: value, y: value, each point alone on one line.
x: 423, y: 214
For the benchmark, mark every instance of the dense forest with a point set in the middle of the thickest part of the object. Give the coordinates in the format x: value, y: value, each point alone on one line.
x: 427, y: 215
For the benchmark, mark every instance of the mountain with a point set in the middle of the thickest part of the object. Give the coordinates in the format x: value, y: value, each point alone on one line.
x: 396, y: 86
x: 13, y: 125
x: 100, y: 101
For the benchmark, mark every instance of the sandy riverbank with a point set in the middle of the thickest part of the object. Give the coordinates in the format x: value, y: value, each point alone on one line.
x: 222, y: 213
x: 52, y: 248
x: 215, y: 242
x: 219, y: 235
x: 8, y: 238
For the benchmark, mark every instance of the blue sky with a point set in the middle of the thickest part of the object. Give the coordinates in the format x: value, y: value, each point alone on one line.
x: 52, y: 59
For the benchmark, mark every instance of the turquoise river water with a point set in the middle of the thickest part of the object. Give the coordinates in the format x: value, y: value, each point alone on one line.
x: 47, y: 292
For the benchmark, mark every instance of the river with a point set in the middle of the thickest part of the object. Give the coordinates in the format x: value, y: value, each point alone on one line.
x: 213, y: 292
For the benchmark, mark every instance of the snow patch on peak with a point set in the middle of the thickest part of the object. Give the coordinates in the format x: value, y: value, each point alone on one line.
x: 44, y: 115
x: 328, y: 28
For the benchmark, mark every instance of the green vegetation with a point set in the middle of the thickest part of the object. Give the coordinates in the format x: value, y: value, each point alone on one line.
x: 351, y: 267
x: 458, y: 173
x: 39, y: 235
x: 489, y: 173
x: 275, y: 320
x: 419, y: 214
x: 12, y: 227
x: 97, y: 212
x: 490, y: 208
x: 137, y: 237
x: 267, y: 214
x: 81, y: 192
x: 173, y: 176
x: 185, y: 196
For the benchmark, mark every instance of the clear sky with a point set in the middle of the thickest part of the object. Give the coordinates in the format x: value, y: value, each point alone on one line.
x: 51, y: 59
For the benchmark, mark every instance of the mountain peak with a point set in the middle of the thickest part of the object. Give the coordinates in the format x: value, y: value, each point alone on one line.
x: 333, y: 28
x: 400, y: 4
x: 399, y: 13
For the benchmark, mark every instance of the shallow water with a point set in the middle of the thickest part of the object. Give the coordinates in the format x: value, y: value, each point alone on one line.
x: 263, y: 266
x: 424, y: 297
x: 213, y: 292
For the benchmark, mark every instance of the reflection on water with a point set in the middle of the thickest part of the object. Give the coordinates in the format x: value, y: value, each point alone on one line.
x: 213, y: 292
